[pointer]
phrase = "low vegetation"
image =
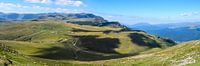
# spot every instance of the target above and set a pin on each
(55, 42)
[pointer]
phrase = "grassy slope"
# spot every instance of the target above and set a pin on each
(37, 38)
(183, 54)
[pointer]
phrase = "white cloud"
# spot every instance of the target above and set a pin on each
(11, 7)
(3, 5)
(69, 2)
(190, 14)
(39, 1)
(75, 3)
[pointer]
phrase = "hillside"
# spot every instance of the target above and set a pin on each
(48, 41)
(185, 54)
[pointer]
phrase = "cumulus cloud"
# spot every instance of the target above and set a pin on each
(11, 7)
(76, 3)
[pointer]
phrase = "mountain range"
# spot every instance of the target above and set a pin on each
(58, 16)
(180, 32)
(76, 18)
(57, 39)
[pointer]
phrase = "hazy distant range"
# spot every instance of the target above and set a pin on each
(179, 32)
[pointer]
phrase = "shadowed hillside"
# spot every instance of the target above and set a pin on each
(185, 54)
(55, 40)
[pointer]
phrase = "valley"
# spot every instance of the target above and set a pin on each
(55, 42)
(99, 33)
(48, 41)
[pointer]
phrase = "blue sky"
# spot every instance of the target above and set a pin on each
(125, 11)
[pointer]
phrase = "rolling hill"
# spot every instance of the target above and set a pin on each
(55, 42)
(184, 54)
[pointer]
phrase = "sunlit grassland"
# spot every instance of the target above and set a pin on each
(47, 43)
